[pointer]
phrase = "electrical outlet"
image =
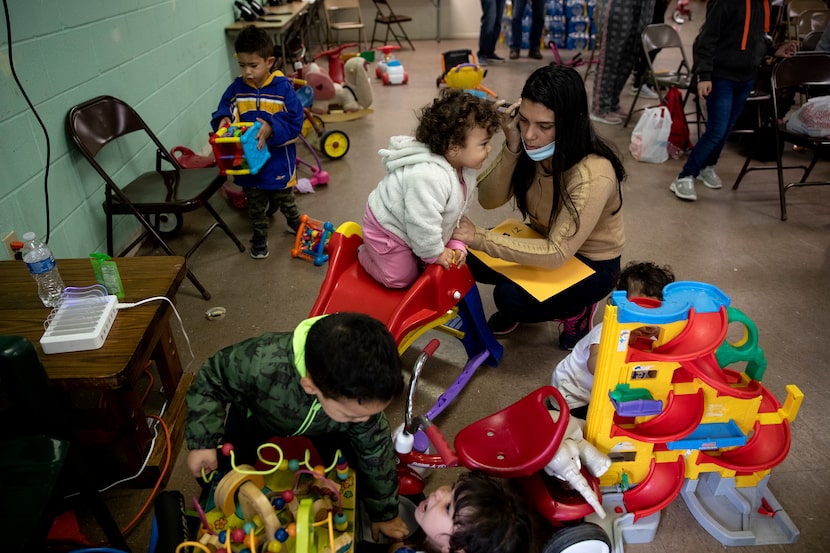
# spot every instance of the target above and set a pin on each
(7, 240)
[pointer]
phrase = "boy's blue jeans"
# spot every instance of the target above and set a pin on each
(724, 106)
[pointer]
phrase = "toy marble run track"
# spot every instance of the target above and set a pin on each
(677, 416)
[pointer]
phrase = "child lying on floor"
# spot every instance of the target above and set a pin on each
(478, 514)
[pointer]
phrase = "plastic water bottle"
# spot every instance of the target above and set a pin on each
(41, 263)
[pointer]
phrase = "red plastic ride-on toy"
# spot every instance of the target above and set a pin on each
(532, 440)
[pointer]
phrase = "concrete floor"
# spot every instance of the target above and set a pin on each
(776, 272)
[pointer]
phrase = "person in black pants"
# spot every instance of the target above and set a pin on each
(537, 23)
(491, 14)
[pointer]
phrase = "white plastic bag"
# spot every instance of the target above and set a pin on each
(812, 119)
(650, 138)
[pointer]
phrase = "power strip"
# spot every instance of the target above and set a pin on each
(80, 323)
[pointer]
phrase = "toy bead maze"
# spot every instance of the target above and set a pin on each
(675, 420)
(290, 503)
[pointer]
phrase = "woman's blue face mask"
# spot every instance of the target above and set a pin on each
(542, 153)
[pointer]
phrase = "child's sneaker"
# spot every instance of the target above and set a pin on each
(259, 247)
(501, 325)
(575, 328)
(291, 227)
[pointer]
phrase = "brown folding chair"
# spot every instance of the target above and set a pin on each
(385, 15)
(662, 46)
(808, 74)
(343, 15)
(157, 198)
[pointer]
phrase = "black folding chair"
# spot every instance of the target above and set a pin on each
(157, 198)
(809, 74)
(385, 15)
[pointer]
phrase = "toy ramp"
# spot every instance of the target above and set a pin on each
(702, 335)
(707, 369)
(657, 490)
(680, 417)
(769, 445)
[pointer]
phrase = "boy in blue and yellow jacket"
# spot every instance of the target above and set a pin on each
(268, 97)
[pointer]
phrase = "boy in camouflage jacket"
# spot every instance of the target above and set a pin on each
(332, 374)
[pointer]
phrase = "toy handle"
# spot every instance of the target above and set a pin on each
(335, 51)
(460, 66)
(441, 445)
(431, 347)
(425, 460)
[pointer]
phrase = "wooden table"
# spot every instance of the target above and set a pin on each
(278, 20)
(104, 385)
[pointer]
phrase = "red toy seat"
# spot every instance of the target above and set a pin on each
(407, 312)
(516, 441)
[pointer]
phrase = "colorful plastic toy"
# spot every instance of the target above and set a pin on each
(235, 149)
(334, 144)
(345, 85)
(680, 422)
(312, 240)
(390, 70)
(444, 300)
(460, 69)
(556, 468)
(188, 159)
(289, 503)
(468, 76)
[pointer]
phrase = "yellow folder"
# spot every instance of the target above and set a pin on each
(541, 283)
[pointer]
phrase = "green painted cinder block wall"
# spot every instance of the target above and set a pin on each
(169, 59)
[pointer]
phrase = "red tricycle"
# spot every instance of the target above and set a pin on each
(533, 440)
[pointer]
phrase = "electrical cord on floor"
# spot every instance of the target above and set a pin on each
(143, 510)
(175, 312)
(131, 525)
(143, 463)
(154, 427)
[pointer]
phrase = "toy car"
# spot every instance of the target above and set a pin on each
(390, 70)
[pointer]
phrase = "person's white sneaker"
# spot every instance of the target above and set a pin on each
(645, 92)
(711, 179)
(607, 119)
(684, 188)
